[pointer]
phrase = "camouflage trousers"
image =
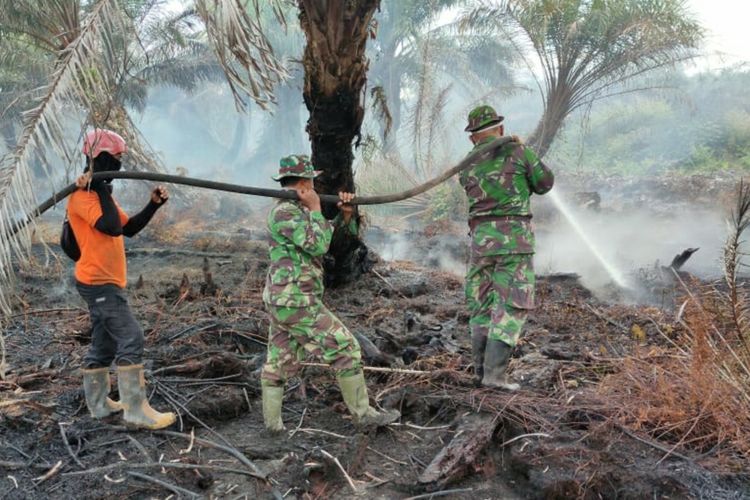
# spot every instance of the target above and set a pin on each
(314, 330)
(500, 291)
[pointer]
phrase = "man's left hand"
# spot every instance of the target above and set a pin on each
(159, 195)
(344, 205)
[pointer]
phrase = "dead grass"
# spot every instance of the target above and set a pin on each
(695, 395)
(690, 401)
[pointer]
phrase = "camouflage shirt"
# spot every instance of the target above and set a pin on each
(499, 192)
(298, 240)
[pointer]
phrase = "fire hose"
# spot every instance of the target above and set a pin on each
(475, 157)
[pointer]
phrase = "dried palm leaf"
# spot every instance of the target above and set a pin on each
(242, 49)
(738, 301)
(380, 106)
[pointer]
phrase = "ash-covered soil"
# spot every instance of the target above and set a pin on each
(200, 305)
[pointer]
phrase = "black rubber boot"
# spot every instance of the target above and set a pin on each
(478, 344)
(496, 357)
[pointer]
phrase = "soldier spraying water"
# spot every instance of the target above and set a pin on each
(500, 281)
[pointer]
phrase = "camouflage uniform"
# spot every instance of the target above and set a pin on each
(300, 322)
(500, 281)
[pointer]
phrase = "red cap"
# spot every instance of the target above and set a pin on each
(100, 140)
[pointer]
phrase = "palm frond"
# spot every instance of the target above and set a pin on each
(584, 49)
(738, 300)
(242, 49)
(380, 106)
(82, 80)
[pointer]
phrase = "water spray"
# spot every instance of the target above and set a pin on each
(617, 276)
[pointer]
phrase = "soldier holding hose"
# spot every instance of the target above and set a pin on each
(299, 321)
(500, 281)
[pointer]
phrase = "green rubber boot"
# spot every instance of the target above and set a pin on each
(496, 357)
(96, 387)
(354, 391)
(137, 411)
(272, 399)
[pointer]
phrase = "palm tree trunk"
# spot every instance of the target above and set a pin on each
(335, 76)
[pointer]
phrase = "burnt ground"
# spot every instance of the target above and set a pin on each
(200, 305)
(199, 300)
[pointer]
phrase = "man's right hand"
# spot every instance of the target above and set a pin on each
(83, 181)
(309, 199)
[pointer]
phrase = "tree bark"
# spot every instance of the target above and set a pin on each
(457, 457)
(335, 77)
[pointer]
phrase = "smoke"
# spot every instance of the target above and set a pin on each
(203, 134)
(636, 242)
(634, 233)
(439, 252)
(638, 227)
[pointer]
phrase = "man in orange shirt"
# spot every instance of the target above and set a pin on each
(99, 225)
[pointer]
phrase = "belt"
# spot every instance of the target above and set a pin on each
(475, 221)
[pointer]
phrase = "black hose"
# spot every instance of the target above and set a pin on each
(472, 159)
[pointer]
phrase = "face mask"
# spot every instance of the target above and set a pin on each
(105, 162)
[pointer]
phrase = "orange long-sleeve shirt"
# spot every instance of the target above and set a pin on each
(102, 259)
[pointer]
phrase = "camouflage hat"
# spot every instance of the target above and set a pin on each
(296, 166)
(481, 117)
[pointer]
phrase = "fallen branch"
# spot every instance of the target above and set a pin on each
(299, 426)
(607, 319)
(171, 487)
(378, 369)
(441, 493)
(47, 311)
(53, 471)
(655, 445)
(321, 431)
(256, 472)
(341, 468)
(451, 463)
(522, 436)
(161, 389)
(382, 278)
(21, 465)
(419, 427)
(391, 459)
(157, 465)
(140, 447)
(21, 380)
(67, 445)
(225, 361)
(339, 436)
